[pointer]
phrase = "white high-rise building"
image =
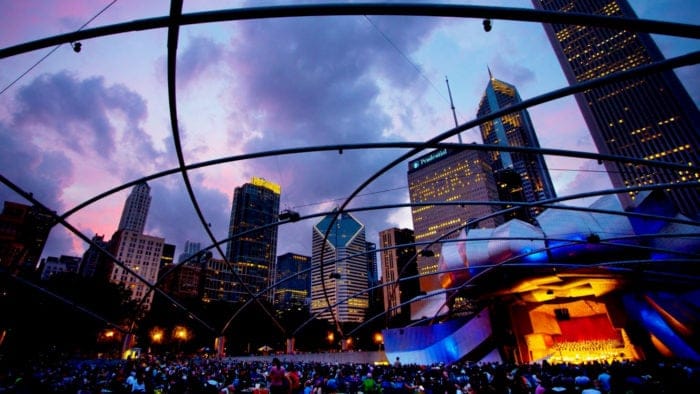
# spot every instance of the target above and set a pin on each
(141, 254)
(136, 209)
(138, 252)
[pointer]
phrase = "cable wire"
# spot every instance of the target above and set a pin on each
(33, 66)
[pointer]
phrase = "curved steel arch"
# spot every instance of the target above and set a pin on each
(176, 20)
(397, 9)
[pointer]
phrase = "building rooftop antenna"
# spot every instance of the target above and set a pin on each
(452, 106)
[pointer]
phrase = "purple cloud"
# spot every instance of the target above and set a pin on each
(43, 172)
(172, 215)
(85, 116)
(316, 81)
(200, 54)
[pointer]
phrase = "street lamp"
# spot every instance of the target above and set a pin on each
(181, 334)
(157, 335)
(378, 339)
(109, 335)
(107, 338)
(331, 338)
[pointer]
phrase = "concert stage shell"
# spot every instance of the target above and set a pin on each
(598, 283)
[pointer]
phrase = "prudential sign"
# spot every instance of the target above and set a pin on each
(425, 160)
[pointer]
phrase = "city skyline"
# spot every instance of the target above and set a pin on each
(386, 84)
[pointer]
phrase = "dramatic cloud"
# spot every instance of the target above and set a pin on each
(81, 115)
(313, 82)
(69, 139)
(260, 85)
(317, 79)
(590, 177)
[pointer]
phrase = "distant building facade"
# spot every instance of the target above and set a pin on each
(446, 175)
(532, 182)
(168, 257)
(374, 292)
(142, 255)
(650, 117)
(255, 204)
(344, 273)
(184, 281)
(53, 265)
(191, 248)
(219, 283)
(90, 266)
(398, 259)
(24, 230)
(294, 278)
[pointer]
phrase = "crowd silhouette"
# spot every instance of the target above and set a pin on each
(191, 375)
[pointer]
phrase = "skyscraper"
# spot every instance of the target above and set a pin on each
(252, 252)
(443, 176)
(345, 278)
(294, 279)
(650, 117)
(398, 259)
(136, 209)
(532, 182)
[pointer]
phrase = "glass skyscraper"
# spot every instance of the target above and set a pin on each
(650, 117)
(520, 176)
(253, 252)
(345, 277)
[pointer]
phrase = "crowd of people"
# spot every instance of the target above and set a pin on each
(192, 375)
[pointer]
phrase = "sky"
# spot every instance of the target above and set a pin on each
(78, 124)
